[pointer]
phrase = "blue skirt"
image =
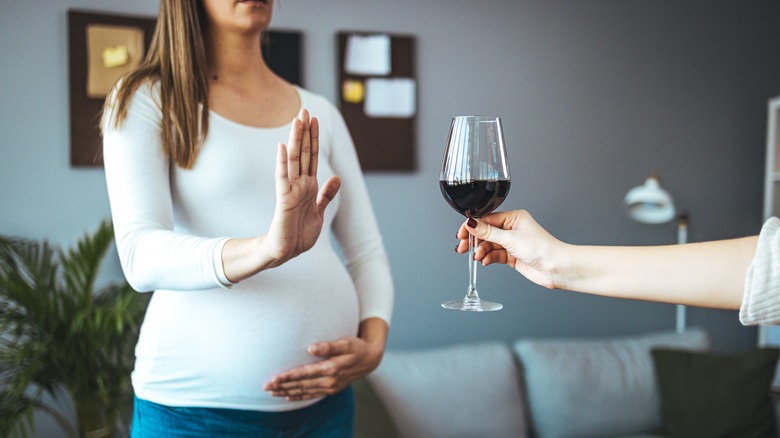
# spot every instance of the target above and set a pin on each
(331, 417)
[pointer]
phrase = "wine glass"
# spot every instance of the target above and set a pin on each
(474, 180)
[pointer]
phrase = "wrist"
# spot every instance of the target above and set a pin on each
(263, 257)
(267, 254)
(373, 331)
(243, 258)
(564, 268)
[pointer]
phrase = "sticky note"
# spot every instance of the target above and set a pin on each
(352, 91)
(115, 56)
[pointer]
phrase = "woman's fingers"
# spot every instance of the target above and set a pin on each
(303, 146)
(281, 162)
(294, 150)
(305, 151)
(494, 256)
(289, 378)
(314, 129)
(315, 380)
(328, 192)
(310, 389)
(314, 387)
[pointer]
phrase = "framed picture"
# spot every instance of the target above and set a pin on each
(101, 48)
(378, 98)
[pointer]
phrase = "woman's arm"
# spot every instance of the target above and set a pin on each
(709, 274)
(154, 256)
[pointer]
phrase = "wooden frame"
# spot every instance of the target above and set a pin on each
(382, 143)
(101, 47)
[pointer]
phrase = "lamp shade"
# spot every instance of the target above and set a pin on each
(649, 203)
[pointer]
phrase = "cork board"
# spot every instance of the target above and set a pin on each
(378, 98)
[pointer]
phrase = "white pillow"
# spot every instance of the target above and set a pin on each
(597, 387)
(467, 390)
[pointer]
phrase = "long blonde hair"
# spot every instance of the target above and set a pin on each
(177, 60)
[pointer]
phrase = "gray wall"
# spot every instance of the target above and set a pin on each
(595, 95)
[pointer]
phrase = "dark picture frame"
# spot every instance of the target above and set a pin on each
(383, 143)
(86, 105)
(282, 53)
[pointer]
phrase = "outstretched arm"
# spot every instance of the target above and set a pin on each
(709, 274)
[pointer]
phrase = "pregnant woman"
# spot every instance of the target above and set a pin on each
(213, 166)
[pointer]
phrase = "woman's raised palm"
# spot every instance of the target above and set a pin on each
(300, 207)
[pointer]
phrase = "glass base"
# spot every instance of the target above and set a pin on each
(472, 305)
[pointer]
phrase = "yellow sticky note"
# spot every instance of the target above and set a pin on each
(115, 56)
(353, 91)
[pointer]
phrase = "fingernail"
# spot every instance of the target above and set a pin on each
(471, 222)
(456, 247)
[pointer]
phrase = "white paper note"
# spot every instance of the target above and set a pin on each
(390, 97)
(368, 55)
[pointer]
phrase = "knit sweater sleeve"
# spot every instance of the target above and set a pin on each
(761, 301)
(152, 254)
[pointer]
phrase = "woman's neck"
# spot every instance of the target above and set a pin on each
(243, 88)
(235, 58)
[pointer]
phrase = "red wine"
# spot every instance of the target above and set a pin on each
(475, 198)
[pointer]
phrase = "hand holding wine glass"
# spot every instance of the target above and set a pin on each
(475, 181)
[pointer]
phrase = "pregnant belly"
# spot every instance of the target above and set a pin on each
(218, 348)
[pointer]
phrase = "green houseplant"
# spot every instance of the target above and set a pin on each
(60, 334)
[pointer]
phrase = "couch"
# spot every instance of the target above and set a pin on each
(649, 385)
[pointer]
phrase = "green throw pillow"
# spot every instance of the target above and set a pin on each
(371, 417)
(710, 395)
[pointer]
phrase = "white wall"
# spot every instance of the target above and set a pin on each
(595, 95)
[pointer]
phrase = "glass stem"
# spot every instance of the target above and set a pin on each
(472, 292)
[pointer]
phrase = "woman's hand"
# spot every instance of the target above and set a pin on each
(300, 208)
(344, 361)
(299, 211)
(703, 274)
(515, 239)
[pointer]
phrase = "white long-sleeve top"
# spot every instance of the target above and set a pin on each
(201, 343)
(761, 301)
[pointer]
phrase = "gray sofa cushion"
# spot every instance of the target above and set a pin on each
(596, 387)
(466, 390)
